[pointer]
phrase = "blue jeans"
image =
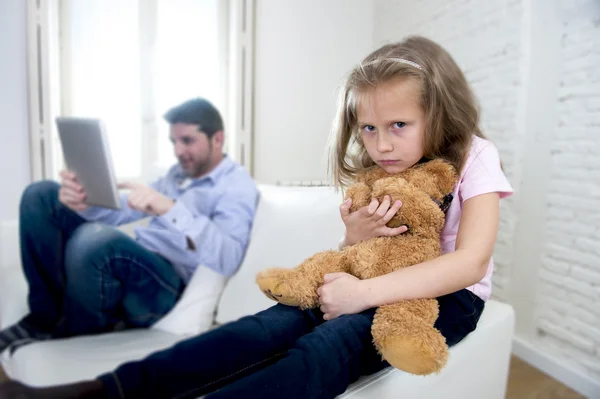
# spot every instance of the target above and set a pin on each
(85, 277)
(281, 352)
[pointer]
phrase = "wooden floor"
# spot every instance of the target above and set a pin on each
(524, 382)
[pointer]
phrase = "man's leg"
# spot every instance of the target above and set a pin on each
(45, 225)
(111, 278)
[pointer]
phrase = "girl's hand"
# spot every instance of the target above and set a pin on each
(370, 221)
(341, 294)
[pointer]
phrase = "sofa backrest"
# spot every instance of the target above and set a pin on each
(291, 224)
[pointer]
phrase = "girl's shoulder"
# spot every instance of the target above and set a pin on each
(483, 154)
(482, 151)
(483, 170)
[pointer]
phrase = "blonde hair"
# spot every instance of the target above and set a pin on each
(451, 111)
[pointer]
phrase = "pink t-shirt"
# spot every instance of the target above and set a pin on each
(481, 174)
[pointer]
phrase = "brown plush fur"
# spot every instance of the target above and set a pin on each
(402, 332)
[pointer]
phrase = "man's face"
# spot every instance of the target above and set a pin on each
(193, 148)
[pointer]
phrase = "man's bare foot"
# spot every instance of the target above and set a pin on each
(88, 389)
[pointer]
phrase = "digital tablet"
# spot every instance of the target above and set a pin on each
(87, 153)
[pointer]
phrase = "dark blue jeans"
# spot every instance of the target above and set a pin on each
(281, 352)
(84, 277)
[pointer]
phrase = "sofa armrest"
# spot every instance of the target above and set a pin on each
(195, 311)
(13, 296)
(10, 255)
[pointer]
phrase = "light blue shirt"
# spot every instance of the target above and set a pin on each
(215, 212)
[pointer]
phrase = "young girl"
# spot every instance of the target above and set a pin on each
(405, 102)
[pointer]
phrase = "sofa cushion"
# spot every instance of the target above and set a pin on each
(81, 358)
(291, 224)
(477, 366)
(194, 312)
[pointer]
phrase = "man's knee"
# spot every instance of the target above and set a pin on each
(88, 243)
(38, 192)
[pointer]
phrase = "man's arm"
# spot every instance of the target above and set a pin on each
(117, 217)
(113, 217)
(219, 241)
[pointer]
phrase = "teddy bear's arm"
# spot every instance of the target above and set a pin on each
(298, 286)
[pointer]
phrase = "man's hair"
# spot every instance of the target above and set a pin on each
(197, 111)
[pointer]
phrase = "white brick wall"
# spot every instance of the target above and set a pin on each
(485, 40)
(491, 42)
(568, 299)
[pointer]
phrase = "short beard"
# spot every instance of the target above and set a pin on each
(200, 169)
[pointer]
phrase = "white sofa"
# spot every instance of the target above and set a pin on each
(291, 224)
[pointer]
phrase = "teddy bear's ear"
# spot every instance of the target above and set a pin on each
(444, 173)
(436, 177)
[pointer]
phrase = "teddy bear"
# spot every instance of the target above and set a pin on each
(403, 332)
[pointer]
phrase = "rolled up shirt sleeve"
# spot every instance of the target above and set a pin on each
(113, 217)
(117, 217)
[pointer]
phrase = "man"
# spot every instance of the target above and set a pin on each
(86, 277)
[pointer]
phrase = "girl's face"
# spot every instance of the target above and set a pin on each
(392, 124)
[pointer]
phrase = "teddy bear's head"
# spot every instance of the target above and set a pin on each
(423, 189)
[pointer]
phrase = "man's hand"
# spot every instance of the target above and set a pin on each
(71, 194)
(145, 199)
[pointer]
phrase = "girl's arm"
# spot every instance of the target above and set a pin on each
(466, 266)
